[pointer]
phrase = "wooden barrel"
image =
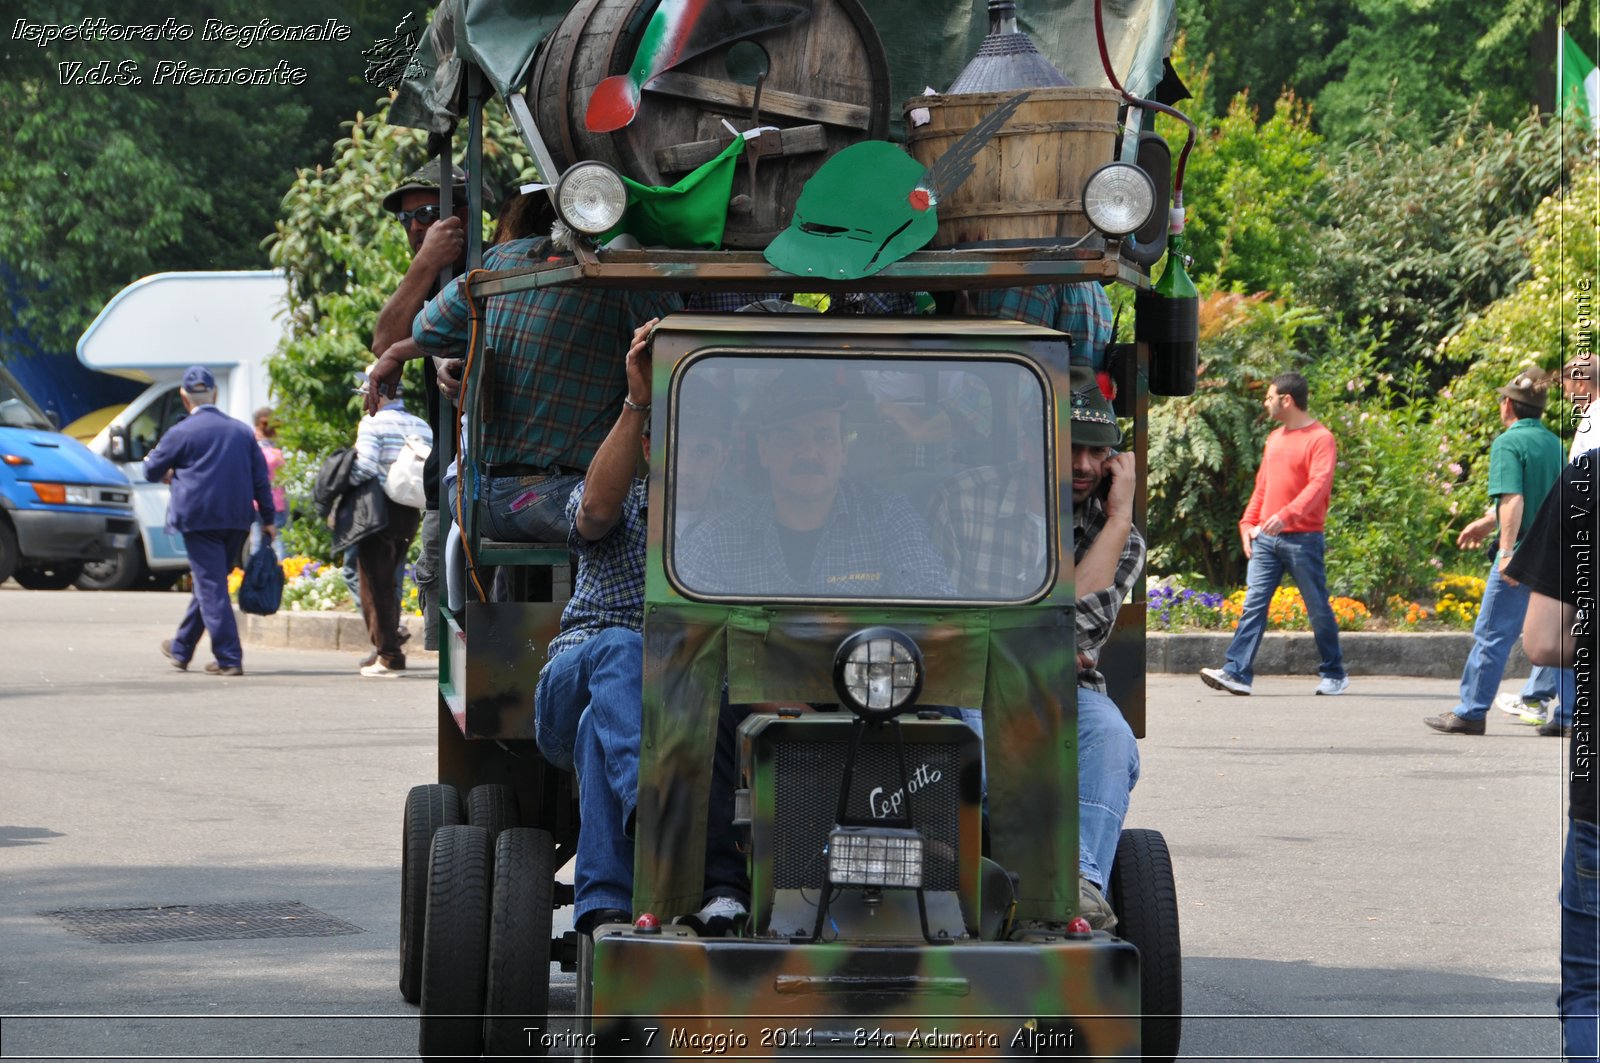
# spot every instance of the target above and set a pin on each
(1027, 187)
(826, 87)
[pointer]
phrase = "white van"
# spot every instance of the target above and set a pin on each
(152, 331)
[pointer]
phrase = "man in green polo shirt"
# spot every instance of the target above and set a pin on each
(1524, 462)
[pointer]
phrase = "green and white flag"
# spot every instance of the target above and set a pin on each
(1577, 81)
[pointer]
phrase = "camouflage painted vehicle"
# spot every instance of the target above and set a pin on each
(902, 901)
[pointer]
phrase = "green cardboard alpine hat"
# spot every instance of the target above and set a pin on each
(1093, 422)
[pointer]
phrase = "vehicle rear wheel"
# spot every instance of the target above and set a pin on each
(54, 576)
(518, 982)
(427, 809)
(8, 551)
(494, 808)
(455, 944)
(116, 573)
(1145, 898)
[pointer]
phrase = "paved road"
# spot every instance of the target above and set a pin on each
(1352, 885)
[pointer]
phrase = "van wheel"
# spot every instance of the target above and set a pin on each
(493, 807)
(116, 573)
(455, 944)
(427, 809)
(518, 982)
(57, 576)
(8, 551)
(1145, 898)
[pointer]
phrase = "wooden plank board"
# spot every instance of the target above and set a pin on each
(742, 97)
(800, 140)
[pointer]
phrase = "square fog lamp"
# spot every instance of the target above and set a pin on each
(875, 856)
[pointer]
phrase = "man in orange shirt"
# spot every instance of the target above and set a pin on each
(1282, 532)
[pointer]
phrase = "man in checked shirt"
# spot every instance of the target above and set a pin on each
(989, 526)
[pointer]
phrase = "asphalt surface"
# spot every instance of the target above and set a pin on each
(1352, 885)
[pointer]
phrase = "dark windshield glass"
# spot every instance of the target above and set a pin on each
(885, 479)
(16, 409)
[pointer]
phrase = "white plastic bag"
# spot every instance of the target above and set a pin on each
(403, 483)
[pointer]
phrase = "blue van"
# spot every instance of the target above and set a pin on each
(60, 503)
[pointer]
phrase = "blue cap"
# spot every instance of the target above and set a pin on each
(198, 378)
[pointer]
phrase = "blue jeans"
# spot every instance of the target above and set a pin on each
(1300, 555)
(1498, 627)
(1580, 940)
(528, 509)
(1108, 769)
(211, 555)
(587, 718)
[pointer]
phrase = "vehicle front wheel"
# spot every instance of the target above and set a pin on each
(55, 576)
(1145, 898)
(116, 573)
(455, 944)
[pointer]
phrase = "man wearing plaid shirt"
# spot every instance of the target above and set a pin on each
(588, 704)
(991, 531)
(553, 384)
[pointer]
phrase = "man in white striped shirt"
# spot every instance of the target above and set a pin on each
(381, 555)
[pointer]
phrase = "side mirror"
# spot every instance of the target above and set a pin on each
(121, 448)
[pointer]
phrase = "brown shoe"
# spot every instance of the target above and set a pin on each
(1451, 724)
(217, 668)
(166, 650)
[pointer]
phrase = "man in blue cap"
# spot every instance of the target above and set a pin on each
(219, 483)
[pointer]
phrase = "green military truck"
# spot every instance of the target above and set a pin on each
(914, 886)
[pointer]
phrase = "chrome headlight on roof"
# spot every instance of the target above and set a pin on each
(590, 197)
(1118, 198)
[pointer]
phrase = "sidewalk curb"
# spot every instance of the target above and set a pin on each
(321, 630)
(1427, 655)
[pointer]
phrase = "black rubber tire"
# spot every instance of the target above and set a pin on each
(455, 945)
(427, 809)
(116, 573)
(494, 808)
(518, 981)
(1145, 898)
(51, 576)
(8, 550)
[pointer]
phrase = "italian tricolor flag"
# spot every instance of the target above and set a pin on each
(1577, 81)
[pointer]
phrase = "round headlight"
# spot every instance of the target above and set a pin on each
(1119, 198)
(591, 198)
(878, 672)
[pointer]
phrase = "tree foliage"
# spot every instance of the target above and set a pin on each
(107, 183)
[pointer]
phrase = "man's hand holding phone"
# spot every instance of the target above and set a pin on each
(1120, 484)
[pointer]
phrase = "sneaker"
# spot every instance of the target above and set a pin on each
(379, 670)
(166, 650)
(1333, 687)
(1093, 906)
(719, 918)
(1553, 729)
(1451, 724)
(217, 668)
(1528, 711)
(369, 659)
(1218, 679)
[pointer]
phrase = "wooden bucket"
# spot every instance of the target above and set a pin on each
(1027, 187)
(826, 87)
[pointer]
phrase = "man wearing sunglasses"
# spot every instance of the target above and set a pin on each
(437, 244)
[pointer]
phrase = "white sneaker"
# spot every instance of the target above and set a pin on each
(379, 670)
(1217, 679)
(1527, 711)
(719, 918)
(1331, 686)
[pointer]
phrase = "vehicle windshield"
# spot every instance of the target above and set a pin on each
(17, 409)
(887, 478)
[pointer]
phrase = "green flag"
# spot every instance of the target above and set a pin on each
(1579, 82)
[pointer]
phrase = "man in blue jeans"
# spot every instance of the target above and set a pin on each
(1282, 532)
(588, 704)
(1524, 463)
(1556, 565)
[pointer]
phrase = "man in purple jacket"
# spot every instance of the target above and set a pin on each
(219, 483)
